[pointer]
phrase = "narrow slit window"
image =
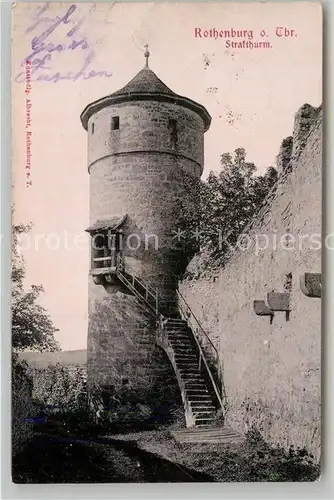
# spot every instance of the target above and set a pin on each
(93, 127)
(115, 123)
(172, 125)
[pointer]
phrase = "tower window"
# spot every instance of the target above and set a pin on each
(93, 127)
(172, 126)
(115, 123)
(101, 252)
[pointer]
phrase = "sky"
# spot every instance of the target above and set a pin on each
(82, 52)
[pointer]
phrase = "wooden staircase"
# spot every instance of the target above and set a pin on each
(177, 340)
(198, 382)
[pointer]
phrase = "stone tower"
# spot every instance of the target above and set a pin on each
(145, 158)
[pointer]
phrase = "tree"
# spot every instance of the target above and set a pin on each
(32, 327)
(230, 199)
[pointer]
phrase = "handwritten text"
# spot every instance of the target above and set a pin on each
(45, 52)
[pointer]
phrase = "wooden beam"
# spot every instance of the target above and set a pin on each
(278, 301)
(102, 270)
(310, 284)
(261, 309)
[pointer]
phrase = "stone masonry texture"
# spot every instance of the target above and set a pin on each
(272, 369)
(143, 171)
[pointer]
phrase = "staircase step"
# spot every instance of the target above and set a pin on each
(184, 349)
(205, 421)
(203, 417)
(205, 433)
(197, 391)
(199, 398)
(188, 379)
(203, 426)
(177, 333)
(194, 377)
(185, 356)
(185, 368)
(176, 326)
(189, 370)
(192, 402)
(176, 320)
(199, 410)
(181, 339)
(208, 402)
(179, 329)
(203, 413)
(187, 365)
(194, 399)
(186, 359)
(200, 404)
(195, 388)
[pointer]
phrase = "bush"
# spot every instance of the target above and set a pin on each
(23, 409)
(60, 388)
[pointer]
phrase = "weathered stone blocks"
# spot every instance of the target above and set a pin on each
(272, 368)
(149, 169)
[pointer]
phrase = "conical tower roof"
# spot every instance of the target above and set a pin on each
(146, 81)
(145, 86)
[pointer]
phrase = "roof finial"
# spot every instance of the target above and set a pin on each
(147, 55)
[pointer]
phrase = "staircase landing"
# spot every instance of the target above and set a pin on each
(209, 435)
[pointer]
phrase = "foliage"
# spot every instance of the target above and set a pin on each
(60, 388)
(218, 209)
(231, 198)
(32, 327)
(23, 409)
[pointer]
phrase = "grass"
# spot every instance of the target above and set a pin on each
(67, 450)
(253, 460)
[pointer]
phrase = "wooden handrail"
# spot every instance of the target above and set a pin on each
(122, 267)
(198, 323)
(209, 371)
(128, 283)
(125, 268)
(188, 308)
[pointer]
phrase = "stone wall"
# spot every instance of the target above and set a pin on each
(123, 355)
(271, 368)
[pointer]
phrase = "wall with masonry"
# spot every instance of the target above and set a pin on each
(144, 126)
(271, 369)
